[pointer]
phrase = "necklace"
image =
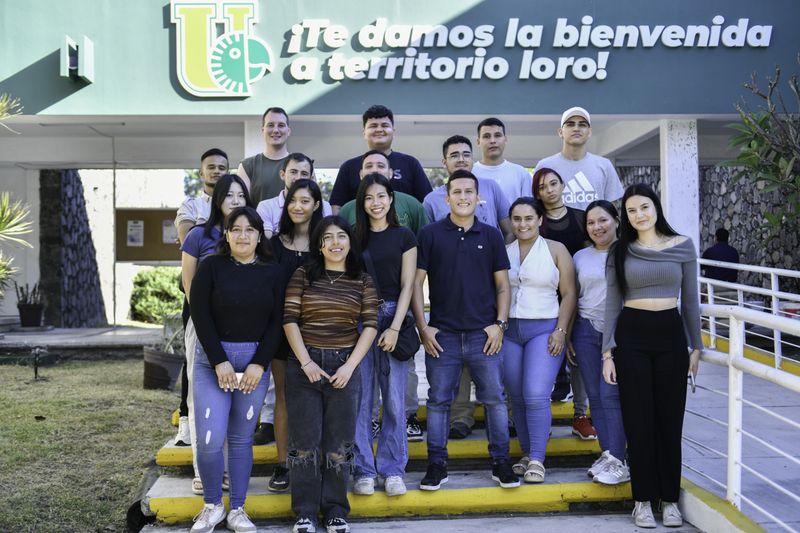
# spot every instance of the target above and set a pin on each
(660, 241)
(551, 213)
(334, 279)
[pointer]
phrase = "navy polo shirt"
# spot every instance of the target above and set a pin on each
(461, 266)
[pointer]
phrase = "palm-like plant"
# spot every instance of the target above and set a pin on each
(14, 223)
(9, 107)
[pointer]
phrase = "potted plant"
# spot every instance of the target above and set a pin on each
(30, 303)
(163, 362)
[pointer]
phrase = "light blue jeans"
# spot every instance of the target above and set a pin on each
(219, 415)
(530, 372)
(391, 376)
(603, 398)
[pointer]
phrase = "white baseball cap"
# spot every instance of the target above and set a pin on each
(575, 112)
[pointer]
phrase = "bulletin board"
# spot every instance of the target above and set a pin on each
(146, 235)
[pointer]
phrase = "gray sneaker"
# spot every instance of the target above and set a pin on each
(614, 473)
(239, 522)
(643, 515)
(671, 515)
(206, 520)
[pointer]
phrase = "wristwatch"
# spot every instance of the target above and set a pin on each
(502, 323)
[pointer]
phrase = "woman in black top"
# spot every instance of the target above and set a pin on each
(236, 310)
(389, 252)
(302, 211)
(563, 224)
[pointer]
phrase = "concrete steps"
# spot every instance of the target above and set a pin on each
(561, 444)
(468, 492)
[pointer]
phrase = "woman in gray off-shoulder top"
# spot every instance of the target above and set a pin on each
(646, 347)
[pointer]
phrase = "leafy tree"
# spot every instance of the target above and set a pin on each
(768, 140)
(192, 183)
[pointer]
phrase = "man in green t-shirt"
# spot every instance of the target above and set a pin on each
(262, 171)
(410, 212)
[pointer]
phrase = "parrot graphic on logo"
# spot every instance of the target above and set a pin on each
(237, 60)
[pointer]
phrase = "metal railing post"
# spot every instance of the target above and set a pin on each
(735, 391)
(712, 321)
(776, 334)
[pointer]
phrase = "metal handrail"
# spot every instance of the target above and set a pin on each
(737, 366)
(773, 292)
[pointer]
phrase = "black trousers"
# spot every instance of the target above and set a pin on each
(652, 361)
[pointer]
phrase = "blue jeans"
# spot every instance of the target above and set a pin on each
(603, 398)
(219, 415)
(530, 372)
(392, 376)
(322, 423)
(444, 373)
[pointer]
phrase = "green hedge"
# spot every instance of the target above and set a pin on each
(156, 294)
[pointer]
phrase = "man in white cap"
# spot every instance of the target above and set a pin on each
(587, 177)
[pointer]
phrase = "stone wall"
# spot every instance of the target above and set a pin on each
(739, 209)
(67, 262)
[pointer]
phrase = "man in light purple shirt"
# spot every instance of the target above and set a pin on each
(296, 166)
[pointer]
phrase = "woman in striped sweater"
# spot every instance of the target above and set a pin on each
(325, 301)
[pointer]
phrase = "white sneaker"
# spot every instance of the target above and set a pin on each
(197, 486)
(364, 486)
(206, 520)
(614, 473)
(239, 522)
(643, 515)
(184, 436)
(395, 486)
(671, 515)
(599, 464)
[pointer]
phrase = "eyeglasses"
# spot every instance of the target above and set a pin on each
(455, 156)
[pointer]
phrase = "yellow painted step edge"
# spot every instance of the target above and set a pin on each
(525, 499)
(560, 410)
(463, 449)
(733, 515)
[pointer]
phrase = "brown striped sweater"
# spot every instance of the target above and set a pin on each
(328, 313)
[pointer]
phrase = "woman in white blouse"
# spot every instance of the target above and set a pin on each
(534, 345)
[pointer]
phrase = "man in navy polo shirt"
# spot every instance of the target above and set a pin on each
(407, 174)
(467, 266)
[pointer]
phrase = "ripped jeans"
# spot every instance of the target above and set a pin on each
(322, 426)
(219, 415)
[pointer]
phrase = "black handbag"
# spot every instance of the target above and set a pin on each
(408, 342)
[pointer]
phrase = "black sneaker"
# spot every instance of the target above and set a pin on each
(279, 482)
(435, 477)
(459, 431)
(337, 525)
(503, 473)
(376, 428)
(413, 429)
(265, 433)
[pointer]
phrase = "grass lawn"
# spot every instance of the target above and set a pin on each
(74, 445)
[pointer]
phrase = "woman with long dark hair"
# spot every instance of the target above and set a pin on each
(325, 301)
(645, 349)
(201, 241)
(389, 252)
(236, 308)
(301, 213)
(534, 344)
(565, 225)
(602, 224)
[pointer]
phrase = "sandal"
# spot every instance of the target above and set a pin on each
(535, 472)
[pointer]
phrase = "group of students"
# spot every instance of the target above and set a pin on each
(327, 302)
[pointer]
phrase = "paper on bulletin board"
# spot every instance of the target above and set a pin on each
(169, 234)
(135, 233)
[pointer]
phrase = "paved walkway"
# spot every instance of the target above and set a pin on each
(755, 455)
